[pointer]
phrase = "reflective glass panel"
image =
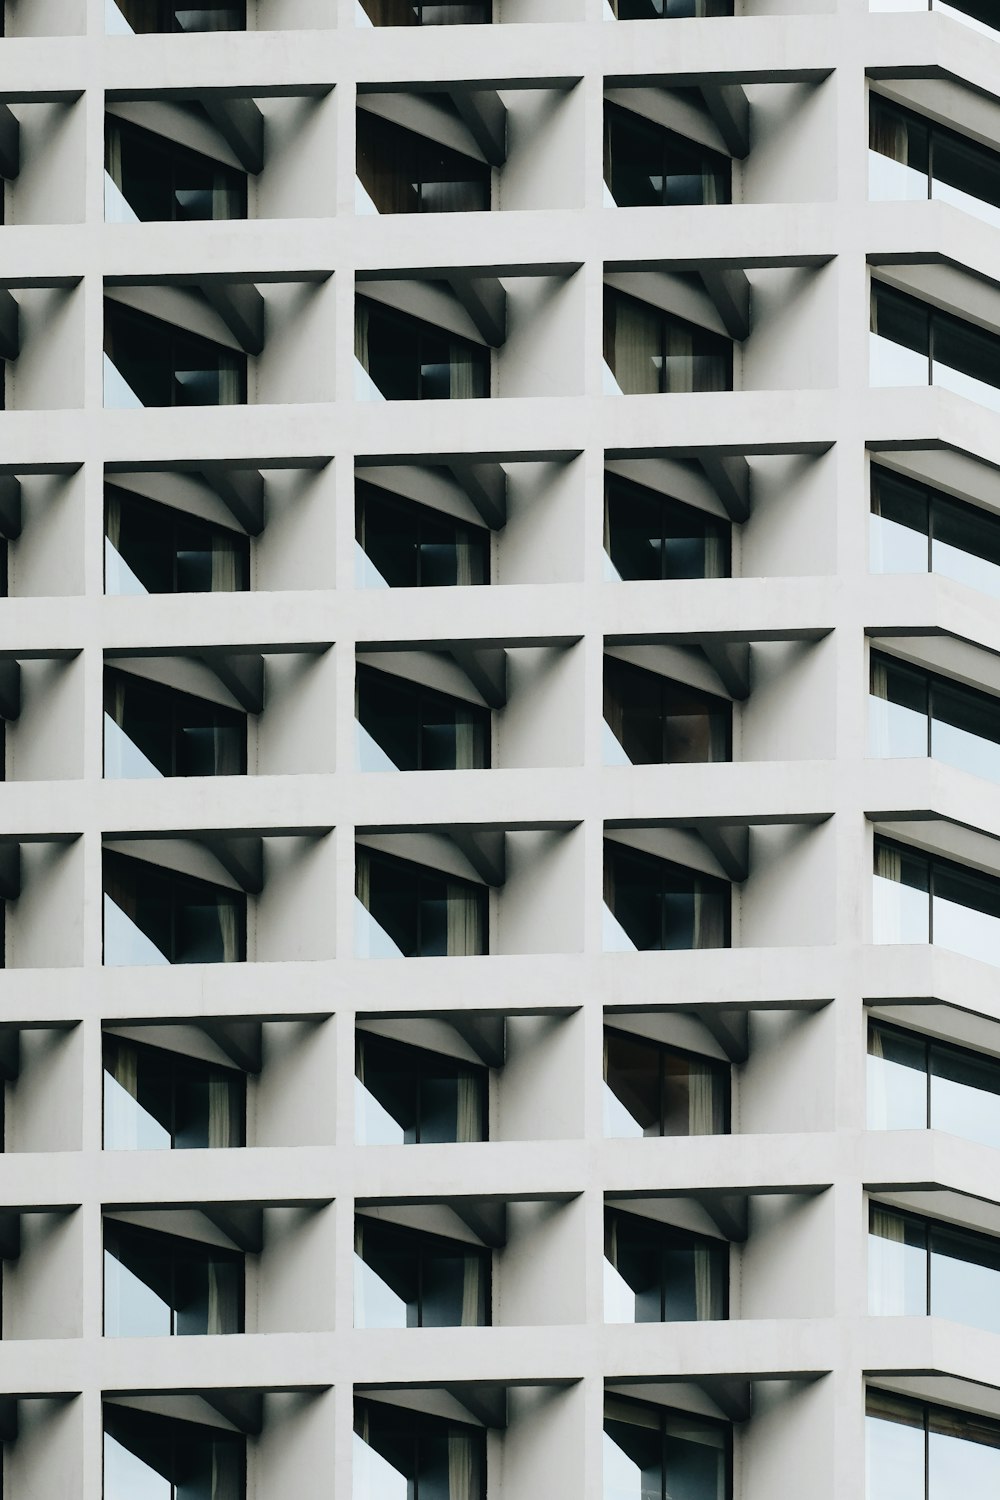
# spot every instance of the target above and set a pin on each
(894, 1449)
(897, 1080)
(897, 1265)
(407, 1095)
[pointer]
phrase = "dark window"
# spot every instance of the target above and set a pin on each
(161, 180)
(430, 1097)
(443, 13)
(646, 165)
(426, 1450)
(166, 551)
(199, 1287)
(680, 1456)
(179, 15)
(4, 564)
(959, 909)
(413, 361)
(657, 721)
(661, 905)
(648, 535)
(919, 713)
(917, 529)
(658, 10)
(423, 912)
(978, 10)
(444, 1283)
(188, 1104)
(201, 1462)
(180, 735)
(405, 173)
(188, 921)
(944, 339)
(650, 351)
(675, 1276)
(413, 546)
(662, 1091)
(167, 366)
(420, 729)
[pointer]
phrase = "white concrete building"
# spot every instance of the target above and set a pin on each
(500, 546)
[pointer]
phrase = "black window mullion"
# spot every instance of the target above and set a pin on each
(930, 900)
(927, 1084)
(927, 1427)
(931, 513)
(930, 714)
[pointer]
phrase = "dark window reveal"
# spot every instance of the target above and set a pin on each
(444, 1283)
(413, 546)
(646, 165)
(655, 1090)
(680, 1456)
(650, 351)
(180, 735)
(649, 535)
(439, 1459)
(405, 173)
(161, 180)
(917, 529)
(409, 360)
(943, 339)
(166, 366)
(189, 921)
(665, 10)
(199, 1287)
(954, 166)
(429, 1097)
(657, 721)
(424, 913)
(420, 729)
(674, 1276)
(661, 905)
(186, 1104)
(197, 1459)
(167, 551)
(441, 13)
(180, 15)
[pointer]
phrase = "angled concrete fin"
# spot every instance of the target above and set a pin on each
(10, 143)
(242, 673)
(485, 115)
(486, 487)
(486, 852)
(10, 1052)
(730, 109)
(10, 325)
(488, 1221)
(486, 669)
(731, 1394)
(484, 1034)
(10, 1234)
(244, 1409)
(729, 1213)
(729, 289)
(240, 1040)
(242, 1223)
(242, 490)
(8, 1418)
(10, 688)
(241, 125)
(241, 308)
(10, 870)
(730, 1028)
(731, 847)
(11, 511)
(730, 660)
(485, 300)
(242, 857)
(729, 477)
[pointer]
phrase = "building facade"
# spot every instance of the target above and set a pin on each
(499, 556)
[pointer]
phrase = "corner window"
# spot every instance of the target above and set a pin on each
(920, 898)
(915, 1083)
(917, 1449)
(916, 529)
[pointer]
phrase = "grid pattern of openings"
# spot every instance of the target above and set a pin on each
(499, 901)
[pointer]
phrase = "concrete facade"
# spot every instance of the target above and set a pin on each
(789, 821)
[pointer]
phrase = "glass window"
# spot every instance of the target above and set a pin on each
(914, 1449)
(653, 1453)
(417, 912)
(143, 16)
(897, 1264)
(155, 916)
(915, 1083)
(916, 529)
(649, 535)
(408, 727)
(658, 10)
(441, 13)
(654, 1090)
(405, 173)
(917, 158)
(405, 545)
(901, 895)
(409, 1279)
(152, 363)
(156, 1099)
(646, 165)
(407, 1095)
(963, 913)
(152, 549)
(914, 712)
(150, 178)
(408, 360)
(899, 723)
(898, 1095)
(915, 344)
(401, 1454)
(651, 903)
(658, 721)
(159, 1285)
(654, 1273)
(648, 350)
(151, 1457)
(150, 730)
